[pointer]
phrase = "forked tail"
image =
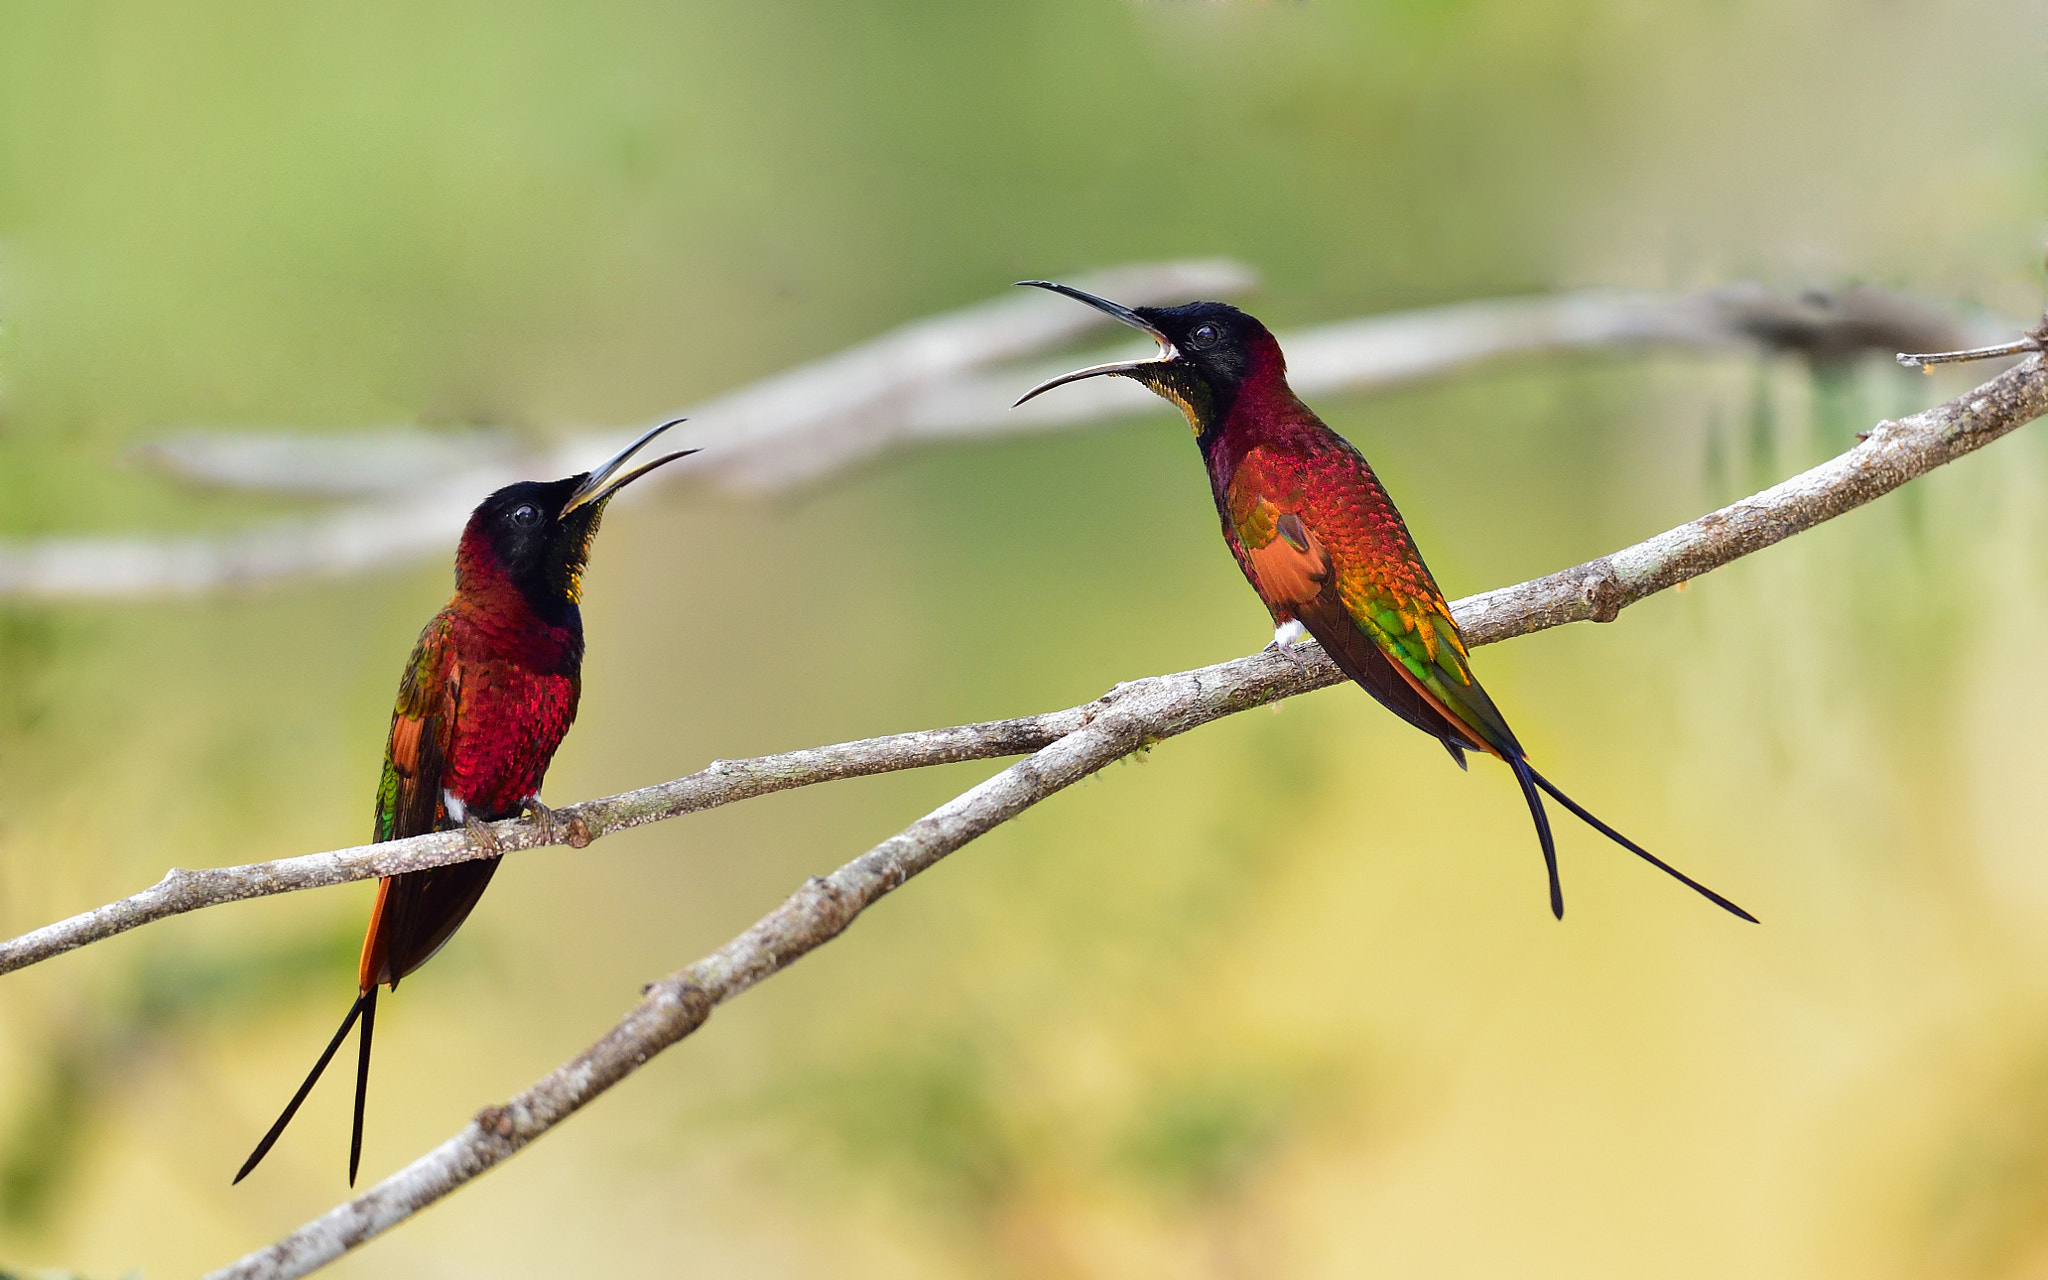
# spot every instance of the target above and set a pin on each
(1530, 780)
(1527, 777)
(365, 1008)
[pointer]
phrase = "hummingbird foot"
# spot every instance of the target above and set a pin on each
(1284, 637)
(543, 818)
(480, 831)
(1287, 651)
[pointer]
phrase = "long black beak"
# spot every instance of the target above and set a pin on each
(599, 484)
(1167, 351)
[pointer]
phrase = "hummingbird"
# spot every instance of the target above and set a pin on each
(1318, 538)
(489, 692)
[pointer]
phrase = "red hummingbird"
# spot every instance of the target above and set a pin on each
(1320, 541)
(489, 692)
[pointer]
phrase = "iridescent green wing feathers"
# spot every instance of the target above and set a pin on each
(1321, 540)
(422, 724)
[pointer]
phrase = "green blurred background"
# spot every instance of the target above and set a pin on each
(1281, 999)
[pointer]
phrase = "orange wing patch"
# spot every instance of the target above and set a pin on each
(405, 744)
(1293, 566)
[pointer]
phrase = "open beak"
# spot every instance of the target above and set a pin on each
(1166, 348)
(601, 484)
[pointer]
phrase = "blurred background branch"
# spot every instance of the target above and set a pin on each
(935, 379)
(1129, 719)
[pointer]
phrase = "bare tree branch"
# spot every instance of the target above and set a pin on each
(1889, 455)
(1067, 746)
(721, 782)
(927, 381)
(858, 386)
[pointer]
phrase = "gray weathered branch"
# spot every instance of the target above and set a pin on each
(1890, 454)
(932, 380)
(722, 782)
(1082, 740)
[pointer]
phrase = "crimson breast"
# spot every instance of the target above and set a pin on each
(513, 710)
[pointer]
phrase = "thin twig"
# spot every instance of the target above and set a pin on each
(1131, 717)
(2017, 347)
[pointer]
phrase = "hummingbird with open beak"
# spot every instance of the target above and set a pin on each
(489, 692)
(1320, 541)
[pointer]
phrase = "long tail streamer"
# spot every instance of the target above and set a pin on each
(1528, 778)
(1528, 774)
(366, 1001)
(355, 1142)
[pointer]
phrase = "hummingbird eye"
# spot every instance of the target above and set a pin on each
(1205, 335)
(526, 515)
